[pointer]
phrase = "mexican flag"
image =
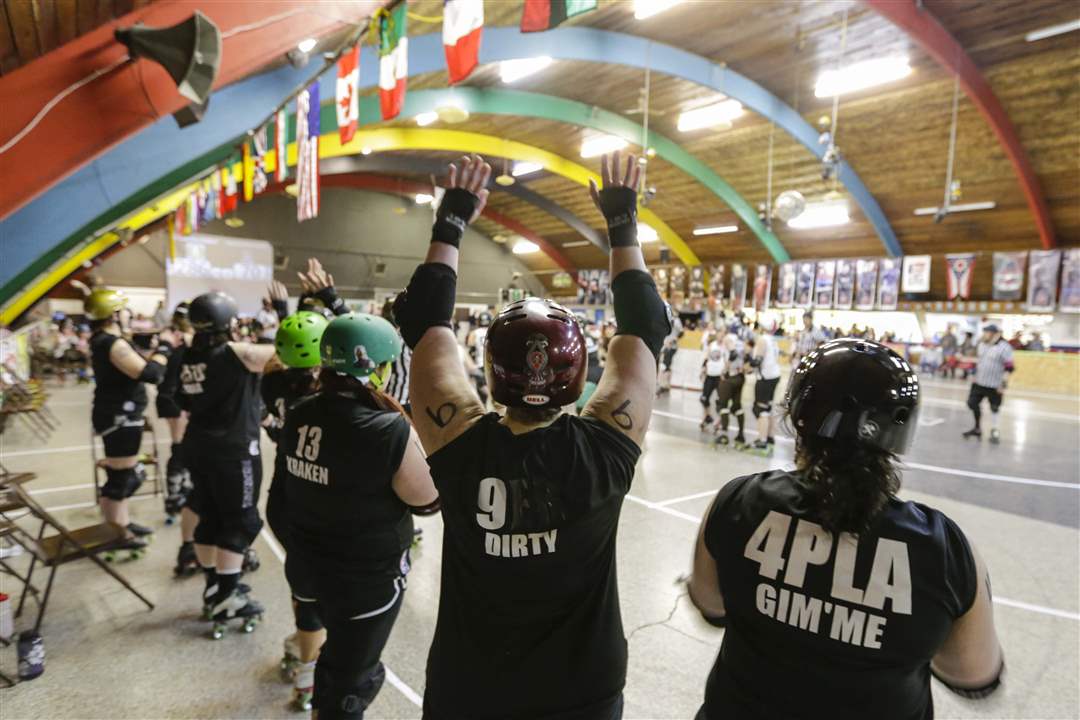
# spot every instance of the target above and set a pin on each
(347, 100)
(540, 15)
(393, 61)
(463, 21)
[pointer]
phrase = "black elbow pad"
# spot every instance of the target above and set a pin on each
(639, 310)
(974, 693)
(152, 373)
(428, 302)
(717, 621)
(429, 509)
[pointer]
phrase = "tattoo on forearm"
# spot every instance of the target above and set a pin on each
(443, 415)
(622, 418)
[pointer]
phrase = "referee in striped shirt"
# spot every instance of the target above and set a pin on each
(398, 387)
(994, 361)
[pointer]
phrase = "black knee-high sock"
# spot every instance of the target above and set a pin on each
(977, 413)
(741, 419)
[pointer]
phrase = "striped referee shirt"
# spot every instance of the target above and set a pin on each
(994, 360)
(398, 387)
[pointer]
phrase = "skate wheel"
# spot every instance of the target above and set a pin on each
(218, 632)
(250, 623)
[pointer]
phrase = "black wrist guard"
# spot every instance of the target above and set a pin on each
(153, 373)
(639, 310)
(281, 307)
(619, 205)
(329, 298)
(428, 302)
(455, 212)
(974, 693)
(164, 349)
(429, 509)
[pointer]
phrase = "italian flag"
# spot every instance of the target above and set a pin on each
(393, 61)
(463, 22)
(539, 15)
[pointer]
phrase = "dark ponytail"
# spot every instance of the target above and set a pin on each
(333, 381)
(848, 485)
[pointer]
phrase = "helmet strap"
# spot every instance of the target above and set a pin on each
(380, 377)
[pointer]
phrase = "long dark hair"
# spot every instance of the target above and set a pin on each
(848, 484)
(333, 381)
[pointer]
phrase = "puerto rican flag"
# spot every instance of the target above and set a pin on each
(347, 100)
(463, 22)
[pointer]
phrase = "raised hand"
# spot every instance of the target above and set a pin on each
(470, 174)
(617, 200)
(315, 278)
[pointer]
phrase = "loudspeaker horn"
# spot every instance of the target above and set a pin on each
(190, 52)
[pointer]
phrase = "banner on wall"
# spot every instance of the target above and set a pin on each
(762, 287)
(916, 274)
(959, 273)
(845, 284)
(1008, 275)
(716, 281)
(1070, 281)
(785, 290)
(738, 287)
(866, 273)
(203, 263)
(889, 283)
(660, 277)
(1043, 266)
(823, 284)
(804, 285)
(697, 282)
(592, 287)
(678, 286)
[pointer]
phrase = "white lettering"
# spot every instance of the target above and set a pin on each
(890, 577)
(549, 538)
(805, 612)
(811, 546)
(875, 625)
(843, 584)
(519, 544)
(491, 544)
(307, 471)
(766, 599)
(772, 533)
(847, 625)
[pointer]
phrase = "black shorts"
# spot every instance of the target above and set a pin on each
(978, 392)
(166, 407)
(712, 382)
(765, 390)
(730, 392)
(225, 497)
(121, 433)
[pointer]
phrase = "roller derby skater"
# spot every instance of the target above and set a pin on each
(120, 400)
(779, 548)
(712, 372)
(994, 364)
(531, 500)
(765, 360)
(729, 392)
(219, 386)
(350, 527)
(177, 480)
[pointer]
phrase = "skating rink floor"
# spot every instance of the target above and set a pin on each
(107, 657)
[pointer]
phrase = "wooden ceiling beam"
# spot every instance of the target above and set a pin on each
(932, 36)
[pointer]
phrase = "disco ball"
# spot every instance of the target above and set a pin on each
(789, 205)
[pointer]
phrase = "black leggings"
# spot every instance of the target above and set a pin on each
(729, 400)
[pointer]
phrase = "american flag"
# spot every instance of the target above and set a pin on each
(307, 149)
(260, 181)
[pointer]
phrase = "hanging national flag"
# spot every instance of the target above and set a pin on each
(347, 98)
(463, 22)
(247, 171)
(215, 193)
(307, 153)
(393, 61)
(540, 15)
(192, 221)
(208, 203)
(229, 195)
(259, 181)
(180, 219)
(170, 227)
(281, 151)
(961, 270)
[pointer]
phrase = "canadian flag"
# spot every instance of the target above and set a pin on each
(348, 103)
(229, 197)
(463, 22)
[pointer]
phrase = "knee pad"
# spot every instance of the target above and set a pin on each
(347, 697)
(762, 408)
(306, 613)
(239, 530)
(175, 466)
(122, 484)
(704, 400)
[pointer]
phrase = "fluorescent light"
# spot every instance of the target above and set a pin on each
(576, 243)
(647, 8)
(819, 215)
(862, 75)
(513, 70)
(307, 45)
(1051, 31)
(601, 144)
(423, 198)
(426, 118)
(715, 229)
(647, 233)
(963, 207)
(525, 168)
(720, 113)
(524, 247)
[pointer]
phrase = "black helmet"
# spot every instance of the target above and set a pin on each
(484, 319)
(855, 392)
(212, 312)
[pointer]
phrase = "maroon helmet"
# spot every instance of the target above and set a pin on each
(535, 355)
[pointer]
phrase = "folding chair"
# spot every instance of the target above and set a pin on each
(149, 457)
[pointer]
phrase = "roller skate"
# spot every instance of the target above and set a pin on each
(237, 607)
(140, 531)
(131, 548)
(176, 491)
(706, 423)
(760, 448)
(303, 687)
(290, 659)
(251, 561)
(187, 564)
(740, 442)
(973, 433)
(721, 440)
(995, 437)
(208, 600)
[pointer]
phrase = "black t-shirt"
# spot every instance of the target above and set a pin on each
(820, 626)
(279, 391)
(114, 392)
(529, 623)
(222, 397)
(170, 384)
(339, 460)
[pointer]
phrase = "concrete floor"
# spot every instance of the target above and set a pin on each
(1019, 502)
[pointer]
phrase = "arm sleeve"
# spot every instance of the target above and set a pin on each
(961, 577)
(718, 517)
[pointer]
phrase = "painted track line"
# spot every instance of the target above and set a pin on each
(391, 677)
(65, 449)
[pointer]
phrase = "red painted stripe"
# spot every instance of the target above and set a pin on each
(943, 47)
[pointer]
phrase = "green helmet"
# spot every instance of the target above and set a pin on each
(362, 346)
(101, 303)
(297, 339)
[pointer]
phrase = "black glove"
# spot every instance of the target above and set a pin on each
(455, 211)
(329, 298)
(733, 355)
(281, 307)
(619, 206)
(164, 349)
